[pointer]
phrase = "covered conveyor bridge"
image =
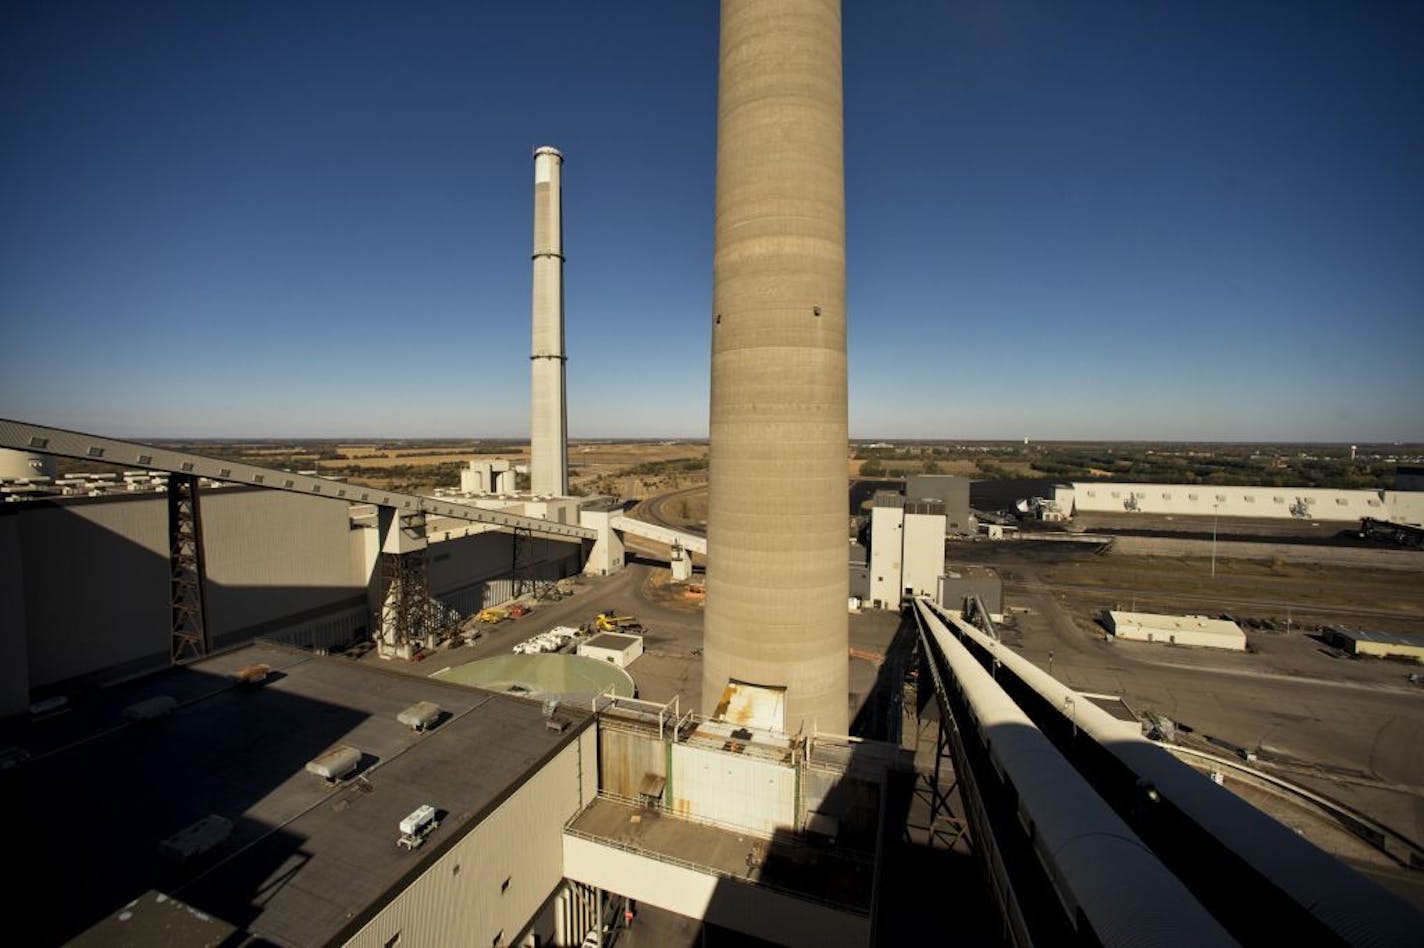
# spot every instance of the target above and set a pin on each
(1265, 883)
(20, 436)
(1062, 866)
(691, 542)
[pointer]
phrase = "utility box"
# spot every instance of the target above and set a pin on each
(206, 834)
(418, 825)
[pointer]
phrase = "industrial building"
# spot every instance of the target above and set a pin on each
(217, 810)
(961, 583)
(220, 779)
(1207, 500)
(906, 548)
(86, 588)
(303, 861)
(1199, 631)
(950, 490)
(1378, 644)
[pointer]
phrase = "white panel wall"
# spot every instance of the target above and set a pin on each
(923, 554)
(757, 795)
(778, 918)
(886, 544)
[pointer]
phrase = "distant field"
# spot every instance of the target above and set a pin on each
(635, 470)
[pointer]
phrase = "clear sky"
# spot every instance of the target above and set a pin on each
(1142, 219)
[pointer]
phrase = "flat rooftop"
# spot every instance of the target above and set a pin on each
(1171, 623)
(306, 861)
(818, 873)
(613, 640)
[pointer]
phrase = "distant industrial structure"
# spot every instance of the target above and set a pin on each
(1207, 500)
(1362, 642)
(1199, 631)
(906, 534)
(548, 417)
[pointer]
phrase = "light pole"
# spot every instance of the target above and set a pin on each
(1213, 540)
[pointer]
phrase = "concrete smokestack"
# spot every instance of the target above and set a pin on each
(548, 417)
(777, 579)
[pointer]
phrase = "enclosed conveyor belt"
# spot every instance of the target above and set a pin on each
(691, 542)
(1065, 866)
(1265, 882)
(21, 436)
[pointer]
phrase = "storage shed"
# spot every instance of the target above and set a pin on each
(1200, 631)
(615, 647)
(1379, 644)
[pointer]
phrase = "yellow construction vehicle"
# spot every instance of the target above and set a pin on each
(492, 616)
(608, 622)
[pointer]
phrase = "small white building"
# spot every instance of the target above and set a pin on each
(906, 548)
(617, 647)
(1177, 630)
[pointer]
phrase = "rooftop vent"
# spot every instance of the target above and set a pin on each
(151, 709)
(209, 832)
(336, 764)
(420, 716)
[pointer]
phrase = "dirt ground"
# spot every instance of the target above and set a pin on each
(1347, 728)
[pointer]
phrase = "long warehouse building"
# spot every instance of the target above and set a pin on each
(85, 581)
(1204, 500)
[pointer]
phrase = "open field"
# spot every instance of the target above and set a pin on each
(638, 469)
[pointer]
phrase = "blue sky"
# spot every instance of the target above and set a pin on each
(1066, 220)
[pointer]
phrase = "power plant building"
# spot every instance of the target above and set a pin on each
(85, 583)
(951, 491)
(906, 548)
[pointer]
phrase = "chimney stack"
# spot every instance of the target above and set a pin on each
(777, 554)
(548, 417)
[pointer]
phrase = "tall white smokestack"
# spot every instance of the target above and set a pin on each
(548, 419)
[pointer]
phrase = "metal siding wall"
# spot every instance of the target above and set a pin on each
(272, 553)
(754, 794)
(522, 841)
(96, 584)
(14, 647)
(624, 758)
(325, 632)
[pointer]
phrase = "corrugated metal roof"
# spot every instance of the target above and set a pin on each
(1413, 639)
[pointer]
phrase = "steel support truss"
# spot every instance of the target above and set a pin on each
(407, 613)
(189, 638)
